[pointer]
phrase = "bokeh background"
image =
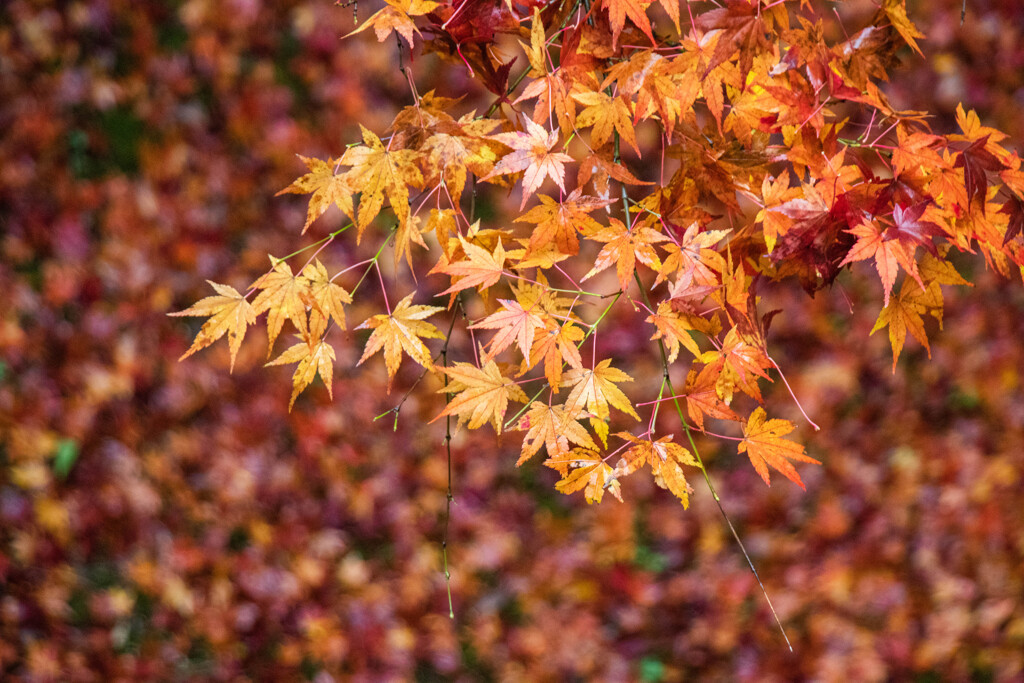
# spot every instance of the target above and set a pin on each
(168, 521)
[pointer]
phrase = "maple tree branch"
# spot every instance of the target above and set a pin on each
(707, 475)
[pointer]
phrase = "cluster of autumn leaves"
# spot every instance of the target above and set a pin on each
(771, 181)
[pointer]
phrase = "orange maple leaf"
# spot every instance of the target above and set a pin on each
(559, 221)
(327, 186)
(702, 396)
(557, 345)
(400, 331)
(636, 10)
(665, 459)
(375, 172)
(764, 445)
(230, 313)
(674, 329)
(313, 358)
(742, 364)
(888, 255)
(482, 394)
(624, 248)
(532, 154)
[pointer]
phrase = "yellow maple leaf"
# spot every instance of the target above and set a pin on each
(596, 389)
(458, 148)
(400, 331)
(284, 296)
(480, 268)
(230, 313)
(589, 471)
(896, 10)
(313, 359)
(605, 116)
(327, 187)
(903, 313)
(328, 299)
(482, 394)
(397, 16)
(377, 172)
(552, 427)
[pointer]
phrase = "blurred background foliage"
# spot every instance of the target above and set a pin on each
(166, 521)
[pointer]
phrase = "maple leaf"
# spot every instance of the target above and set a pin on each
(624, 248)
(328, 299)
(764, 444)
(557, 345)
(915, 151)
(375, 172)
(668, 84)
(596, 389)
(974, 159)
(742, 365)
(589, 472)
(888, 255)
(1014, 209)
(458, 148)
(896, 10)
(636, 10)
(313, 358)
(552, 427)
(901, 314)
(665, 459)
(397, 16)
(692, 256)
(559, 221)
(532, 154)
(229, 312)
(817, 242)
(482, 394)
(480, 269)
(406, 234)
(774, 194)
(515, 323)
(904, 312)
(327, 187)
(606, 115)
(702, 397)
(741, 30)
(284, 295)
(400, 331)
(910, 230)
(674, 329)
(671, 8)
